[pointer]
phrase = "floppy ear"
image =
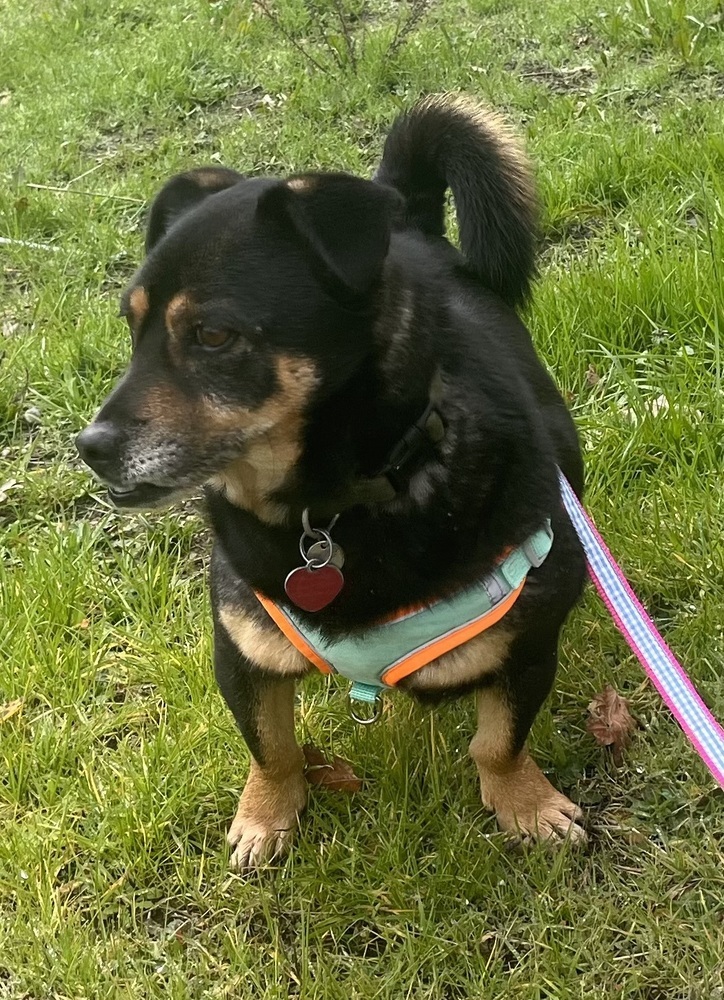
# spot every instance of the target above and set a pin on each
(343, 220)
(182, 193)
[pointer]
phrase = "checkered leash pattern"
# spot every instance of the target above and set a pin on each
(662, 667)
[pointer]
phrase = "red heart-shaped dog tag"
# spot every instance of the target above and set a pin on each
(313, 589)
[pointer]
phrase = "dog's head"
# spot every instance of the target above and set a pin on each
(256, 298)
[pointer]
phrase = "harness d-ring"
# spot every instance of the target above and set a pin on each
(365, 694)
(366, 720)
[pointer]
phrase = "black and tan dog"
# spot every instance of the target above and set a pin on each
(287, 334)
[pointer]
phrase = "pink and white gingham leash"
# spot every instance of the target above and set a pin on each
(662, 667)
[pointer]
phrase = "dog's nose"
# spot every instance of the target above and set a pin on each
(98, 445)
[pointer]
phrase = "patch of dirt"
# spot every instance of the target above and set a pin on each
(12, 279)
(708, 84)
(236, 103)
(558, 79)
(115, 138)
(164, 927)
(122, 142)
(584, 37)
(10, 988)
(683, 83)
(135, 17)
(16, 313)
(283, 927)
(208, 118)
(14, 324)
(578, 231)
(568, 240)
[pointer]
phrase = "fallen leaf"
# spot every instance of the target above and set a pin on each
(32, 416)
(11, 708)
(335, 775)
(610, 722)
(11, 484)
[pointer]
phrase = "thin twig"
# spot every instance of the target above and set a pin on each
(85, 173)
(346, 34)
(275, 20)
(319, 27)
(330, 46)
(6, 241)
(417, 10)
(88, 194)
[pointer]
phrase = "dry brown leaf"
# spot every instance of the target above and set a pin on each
(335, 775)
(610, 722)
(11, 708)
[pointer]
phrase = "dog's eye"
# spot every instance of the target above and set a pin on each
(212, 338)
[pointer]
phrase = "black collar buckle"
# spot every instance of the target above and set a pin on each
(417, 446)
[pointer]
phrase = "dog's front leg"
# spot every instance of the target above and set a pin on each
(276, 791)
(511, 783)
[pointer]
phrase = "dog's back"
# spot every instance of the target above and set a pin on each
(450, 142)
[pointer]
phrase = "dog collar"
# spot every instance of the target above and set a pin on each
(416, 446)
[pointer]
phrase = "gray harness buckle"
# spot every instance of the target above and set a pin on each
(495, 590)
(534, 558)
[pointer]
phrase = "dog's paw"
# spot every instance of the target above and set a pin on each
(528, 806)
(265, 821)
(551, 820)
(256, 845)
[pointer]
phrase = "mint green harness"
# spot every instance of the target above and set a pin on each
(389, 650)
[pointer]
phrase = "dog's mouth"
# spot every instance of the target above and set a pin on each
(140, 495)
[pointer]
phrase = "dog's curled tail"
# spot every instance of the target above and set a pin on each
(448, 140)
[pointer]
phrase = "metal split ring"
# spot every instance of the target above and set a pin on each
(318, 536)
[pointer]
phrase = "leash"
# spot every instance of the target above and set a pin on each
(662, 667)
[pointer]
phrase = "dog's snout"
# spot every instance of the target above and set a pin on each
(98, 445)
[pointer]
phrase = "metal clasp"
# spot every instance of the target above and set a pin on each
(365, 694)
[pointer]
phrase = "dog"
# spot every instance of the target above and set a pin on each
(291, 338)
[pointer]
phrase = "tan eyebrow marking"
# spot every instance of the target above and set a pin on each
(179, 309)
(138, 306)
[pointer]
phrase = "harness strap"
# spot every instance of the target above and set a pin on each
(364, 692)
(445, 643)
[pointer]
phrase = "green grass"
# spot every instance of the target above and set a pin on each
(120, 774)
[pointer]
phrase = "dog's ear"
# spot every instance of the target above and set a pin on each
(343, 220)
(182, 193)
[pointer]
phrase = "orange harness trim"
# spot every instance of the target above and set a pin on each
(422, 657)
(417, 659)
(290, 630)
